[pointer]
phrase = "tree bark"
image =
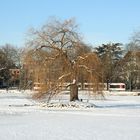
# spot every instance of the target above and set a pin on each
(74, 92)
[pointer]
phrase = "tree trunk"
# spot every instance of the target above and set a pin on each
(74, 92)
(107, 83)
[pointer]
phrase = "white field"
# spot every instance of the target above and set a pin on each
(116, 118)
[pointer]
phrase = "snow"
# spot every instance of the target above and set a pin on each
(115, 118)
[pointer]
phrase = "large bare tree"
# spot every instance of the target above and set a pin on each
(59, 56)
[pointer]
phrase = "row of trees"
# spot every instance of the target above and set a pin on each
(60, 56)
(120, 65)
(56, 54)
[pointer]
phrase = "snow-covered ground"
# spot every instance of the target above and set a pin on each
(115, 118)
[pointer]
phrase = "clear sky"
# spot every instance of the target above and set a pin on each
(100, 21)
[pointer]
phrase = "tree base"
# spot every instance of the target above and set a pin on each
(74, 92)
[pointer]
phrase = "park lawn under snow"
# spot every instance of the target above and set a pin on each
(115, 118)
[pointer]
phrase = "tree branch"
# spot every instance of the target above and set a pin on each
(63, 76)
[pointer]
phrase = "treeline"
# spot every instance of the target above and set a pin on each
(114, 62)
(121, 63)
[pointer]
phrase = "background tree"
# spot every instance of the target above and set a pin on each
(8, 60)
(134, 44)
(131, 66)
(64, 57)
(110, 54)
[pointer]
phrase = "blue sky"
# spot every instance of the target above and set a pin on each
(100, 21)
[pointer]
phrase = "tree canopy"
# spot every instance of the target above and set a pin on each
(63, 57)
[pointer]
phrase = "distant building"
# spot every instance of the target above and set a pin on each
(14, 77)
(15, 73)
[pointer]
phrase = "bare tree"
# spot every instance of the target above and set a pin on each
(59, 57)
(132, 61)
(134, 44)
(130, 69)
